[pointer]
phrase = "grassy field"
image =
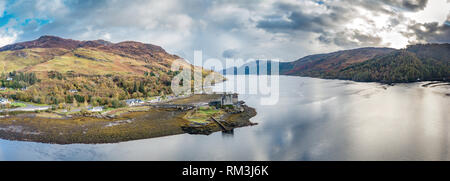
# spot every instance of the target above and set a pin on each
(202, 115)
(18, 104)
(8, 90)
(36, 104)
(11, 60)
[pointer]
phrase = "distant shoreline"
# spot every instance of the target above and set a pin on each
(325, 78)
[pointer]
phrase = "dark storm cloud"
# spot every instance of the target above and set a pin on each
(412, 5)
(350, 39)
(229, 28)
(293, 18)
(429, 32)
(385, 6)
(294, 21)
(323, 24)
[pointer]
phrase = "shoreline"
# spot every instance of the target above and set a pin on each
(149, 122)
(335, 78)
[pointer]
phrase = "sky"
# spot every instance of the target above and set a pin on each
(284, 29)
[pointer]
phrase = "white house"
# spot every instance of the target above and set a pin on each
(73, 90)
(2, 88)
(133, 102)
(96, 109)
(9, 79)
(155, 100)
(4, 101)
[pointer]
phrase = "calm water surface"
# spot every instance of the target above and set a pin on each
(314, 119)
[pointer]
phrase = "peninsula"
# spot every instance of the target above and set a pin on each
(65, 91)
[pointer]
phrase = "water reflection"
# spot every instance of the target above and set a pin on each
(314, 120)
(228, 134)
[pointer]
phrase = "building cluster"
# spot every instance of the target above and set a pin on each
(96, 109)
(228, 101)
(134, 102)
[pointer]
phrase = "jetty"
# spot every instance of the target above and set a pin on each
(224, 128)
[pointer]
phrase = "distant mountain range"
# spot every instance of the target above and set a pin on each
(55, 70)
(386, 65)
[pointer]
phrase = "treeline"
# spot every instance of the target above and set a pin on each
(107, 90)
(55, 88)
(400, 66)
(396, 67)
(17, 80)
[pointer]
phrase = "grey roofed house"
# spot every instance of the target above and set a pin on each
(132, 102)
(4, 101)
(96, 109)
(225, 100)
(73, 90)
(229, 99)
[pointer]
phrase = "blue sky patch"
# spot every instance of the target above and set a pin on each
(5, 19)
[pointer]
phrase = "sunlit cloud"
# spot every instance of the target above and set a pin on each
(285, 30)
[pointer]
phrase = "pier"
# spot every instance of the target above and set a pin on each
(224, 128)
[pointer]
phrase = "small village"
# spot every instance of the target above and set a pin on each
(12, 105)
(224, 103)
(140, 118)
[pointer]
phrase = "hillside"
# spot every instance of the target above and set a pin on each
(398, 66)
(415, 63)
(320, 64)
(97, 72)
(323, 64)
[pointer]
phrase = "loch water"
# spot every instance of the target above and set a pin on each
(313, 119)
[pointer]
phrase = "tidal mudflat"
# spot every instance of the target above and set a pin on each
(124, 124)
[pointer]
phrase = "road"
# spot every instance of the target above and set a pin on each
(27, 108)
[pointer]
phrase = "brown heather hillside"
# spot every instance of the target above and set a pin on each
(315, 65)
(102, 72)
(321, 64)
(399, 66)
(126, 56)
(415, 63)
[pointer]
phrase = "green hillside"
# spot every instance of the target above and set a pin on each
(399, 66)
(420, 62)
(53, 70)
